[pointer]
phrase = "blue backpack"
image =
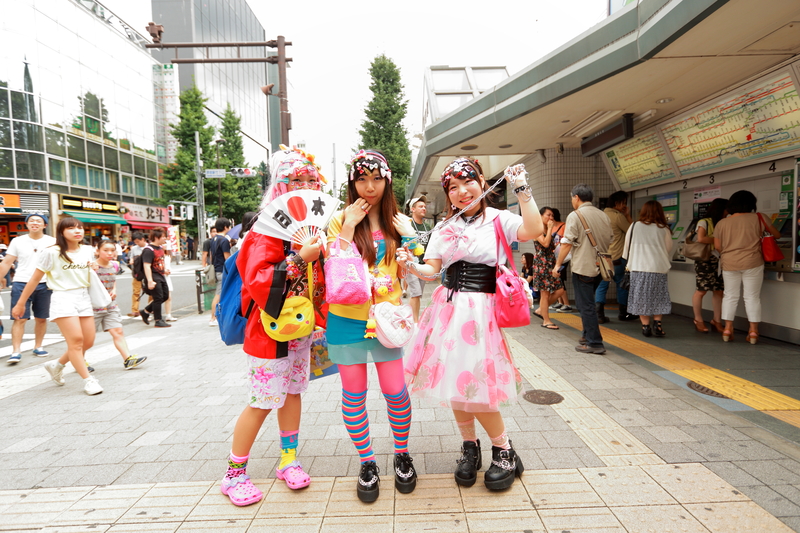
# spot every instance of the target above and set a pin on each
(229, 309)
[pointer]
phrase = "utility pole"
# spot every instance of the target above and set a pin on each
(201, 204)
(219, 182)
(334, 167)
(286, 118)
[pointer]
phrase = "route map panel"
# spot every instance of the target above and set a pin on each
(640, 161)
(752, 123)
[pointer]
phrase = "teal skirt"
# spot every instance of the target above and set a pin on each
(347, 345)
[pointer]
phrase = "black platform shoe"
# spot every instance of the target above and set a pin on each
(469, 463)
(506, 464)
(647, 330)
(368, 482)
(658, 331)
(405, 477)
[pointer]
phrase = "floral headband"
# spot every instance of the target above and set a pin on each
(365, 161)
(463, 167)
(296, 162)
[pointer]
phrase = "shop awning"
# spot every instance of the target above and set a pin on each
(96, 218)
(146, 225)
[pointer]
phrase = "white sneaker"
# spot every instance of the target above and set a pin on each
(170, 318)
(56, 371)
(91, 386)
(213, 322)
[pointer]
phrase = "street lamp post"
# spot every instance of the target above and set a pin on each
(219, 182)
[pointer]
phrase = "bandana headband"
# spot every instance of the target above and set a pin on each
(365, 161)
(296, 162)
(463, 167)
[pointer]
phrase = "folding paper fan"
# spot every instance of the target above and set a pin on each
(297, 216)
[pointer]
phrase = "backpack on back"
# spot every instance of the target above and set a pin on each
(138, 266)
(229, 315)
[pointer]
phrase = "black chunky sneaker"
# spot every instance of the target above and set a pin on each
(368, 482)
(469, 463)
(405, 477)
(506, 464)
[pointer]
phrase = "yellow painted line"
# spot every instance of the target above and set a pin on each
(743, 391)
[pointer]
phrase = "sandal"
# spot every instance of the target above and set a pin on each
(241, 490)
(537, 314)
(727, 336)
(718, 326)
(752, 337)
(701, 326)
(550, 326)
(294, 475)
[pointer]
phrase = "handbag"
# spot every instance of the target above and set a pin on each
(697, 251)
(346, 277)
(394, 324)
(603, 259)
(769, 246)
(626, 278)
(510, 301)
(209, 272)
(97, 291)
(296, 319)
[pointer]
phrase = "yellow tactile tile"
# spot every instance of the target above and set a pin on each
(790, 417)
(310, 501)
(435, 493)
(157, 527)
(344, 501)
(658, 519)
(166, 502)
(560, 489)
(438, 523)
(282, 525)
(626, 486)
(504, 522)
(591, 418)
(348, 524)
(639, 459)
(40, 507)
(478, 498)
(693, 483)
(216, 526)
(589, 520)
(613, 441)
(736, 517)
(216, 506)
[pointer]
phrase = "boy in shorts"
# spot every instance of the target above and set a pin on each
(109, 318)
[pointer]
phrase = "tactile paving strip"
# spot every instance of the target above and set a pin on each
(735, 388)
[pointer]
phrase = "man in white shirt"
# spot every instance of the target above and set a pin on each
(25, 250)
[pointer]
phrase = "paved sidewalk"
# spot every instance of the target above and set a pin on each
(625, 451)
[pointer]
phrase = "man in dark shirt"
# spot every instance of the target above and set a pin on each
(155, 283)
(220, 251)
(207, 246)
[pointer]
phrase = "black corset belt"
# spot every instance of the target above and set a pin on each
(462, 276)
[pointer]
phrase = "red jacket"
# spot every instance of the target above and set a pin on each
(262, 266)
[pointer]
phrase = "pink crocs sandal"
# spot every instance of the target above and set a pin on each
(294, 475)
(241, 490)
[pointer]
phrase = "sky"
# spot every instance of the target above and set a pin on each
(334, 42)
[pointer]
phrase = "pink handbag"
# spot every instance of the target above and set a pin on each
(346, 277)
(394, 324)
(510, 301)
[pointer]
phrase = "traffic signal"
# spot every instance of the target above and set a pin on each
(183, 212)
(171, 211)
(243, 172)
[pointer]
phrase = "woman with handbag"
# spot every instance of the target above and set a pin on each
(372, 224)
(460, 357)
(278, 371)
(549, 287)
(66, 265)
(648, 243)
(707, 273)
(738, 240)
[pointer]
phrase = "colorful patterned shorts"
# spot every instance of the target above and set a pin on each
(272, 379)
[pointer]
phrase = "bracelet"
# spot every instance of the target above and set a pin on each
(340, 238)
(295, 266)
(524, 189)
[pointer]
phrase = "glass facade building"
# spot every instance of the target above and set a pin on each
(239, 84)
(78, 104)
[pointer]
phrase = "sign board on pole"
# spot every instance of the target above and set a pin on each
(215, 173)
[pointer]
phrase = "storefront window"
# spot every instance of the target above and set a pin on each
(127, 185)
(5, 133)
(28, 137)
(6, 163)
(77, 150)
(58, 170)
(141, 187)
(30, 165)
(138, 166)
(112, 181)
(152, 169)
(54, 142)
(96, 178)
(94, 154)
(77, 174)
(112, 159)
(125, 163)
(153, 189)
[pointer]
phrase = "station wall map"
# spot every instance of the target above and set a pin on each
(755, 122)
(639, 161)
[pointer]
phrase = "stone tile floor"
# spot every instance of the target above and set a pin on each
(625, 451)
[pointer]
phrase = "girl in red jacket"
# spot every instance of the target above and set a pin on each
(278, 371)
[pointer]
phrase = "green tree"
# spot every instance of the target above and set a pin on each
(383, 127)
(264, 175)
(239, 195)
(178, 179)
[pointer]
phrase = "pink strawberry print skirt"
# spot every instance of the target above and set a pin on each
(460, 357)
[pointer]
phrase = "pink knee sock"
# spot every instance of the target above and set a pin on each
(467, 429)
(501, 441)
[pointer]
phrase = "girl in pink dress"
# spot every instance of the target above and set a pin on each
(460, 356)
